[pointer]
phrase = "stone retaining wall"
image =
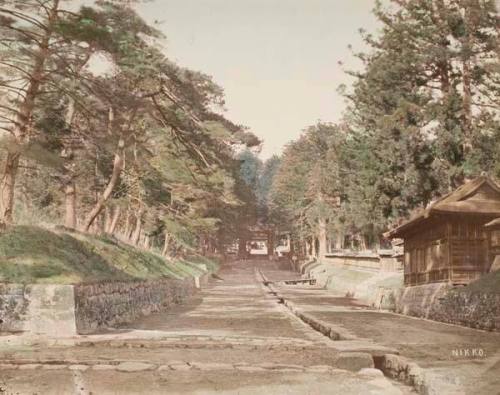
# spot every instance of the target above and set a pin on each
(111, 304)
(65, 310)
(37, 308)
(477, 310)
(366, 260)
(13, 305)
(418, 300)
(442, 302)
(384, 290)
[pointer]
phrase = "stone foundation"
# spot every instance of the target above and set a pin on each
(384, 290)
(13, 306)
(112, 304)
(418, 300)
(66, 310)
(37, 309)
(364, 260)
(444, 303)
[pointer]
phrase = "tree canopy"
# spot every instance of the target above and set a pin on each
(142, 152)
(422, 117)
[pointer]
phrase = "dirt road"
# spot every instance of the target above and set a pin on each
(233, 338)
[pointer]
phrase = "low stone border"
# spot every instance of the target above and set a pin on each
(139, 366)
(424, 382)
(391, 365)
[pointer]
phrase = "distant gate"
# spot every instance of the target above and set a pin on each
(251, 246)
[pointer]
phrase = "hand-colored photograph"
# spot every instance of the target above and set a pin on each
(249, 197)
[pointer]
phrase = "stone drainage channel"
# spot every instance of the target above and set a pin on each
(392, 365)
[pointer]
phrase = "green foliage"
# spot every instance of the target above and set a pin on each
(415, 111)
(422, 117)
(307, 186)
(145, 141)
(266, 178)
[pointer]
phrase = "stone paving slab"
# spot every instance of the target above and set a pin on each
(235, 338)
(438, 347)
(249, 381)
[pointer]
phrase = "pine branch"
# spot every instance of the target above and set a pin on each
(24, 17)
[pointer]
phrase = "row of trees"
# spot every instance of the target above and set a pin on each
(422, 117)
(140, 151)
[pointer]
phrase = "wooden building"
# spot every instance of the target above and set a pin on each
(493, 232)
(448, 241)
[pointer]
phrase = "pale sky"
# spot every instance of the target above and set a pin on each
(277, 60)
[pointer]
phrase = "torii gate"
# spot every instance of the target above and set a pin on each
(258, 233)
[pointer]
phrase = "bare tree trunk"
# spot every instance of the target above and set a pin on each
(26, 198)
(364, 244)
(242, 248)
(138, 228)
(321, 238)
(115, 177)
(8, 186)
(126, 231)
(166, 244)
(114, 220)
(466, 83)
(338, 241)
(308, 248)
(70, 205)
(107, 218)
(69, 173)
(100, 224)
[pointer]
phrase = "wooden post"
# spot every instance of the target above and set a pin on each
(270, 244)
(449, 227)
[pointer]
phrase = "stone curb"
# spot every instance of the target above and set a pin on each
(391, 365)
(328, 330)
(408, 372)
(141, 366)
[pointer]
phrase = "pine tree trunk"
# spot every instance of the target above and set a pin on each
(115, 177)
(242, 248)
(338, 241)
(138, 228)
(69, 173)
(466, 83)
(308, 248)
(23, 119)
(8, 186)
(364, 244)
(321, 238)
(114, 220)
(126, 232)
(166, 244)
(137, 233)
(70, 205)
(100, 224)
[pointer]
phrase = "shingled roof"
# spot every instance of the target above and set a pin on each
(479, 196)
(493, 224)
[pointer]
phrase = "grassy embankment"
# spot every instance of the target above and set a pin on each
(489, 283)
(30, 254)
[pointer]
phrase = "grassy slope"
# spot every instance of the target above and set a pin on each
(31, 254)
(489, 283)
